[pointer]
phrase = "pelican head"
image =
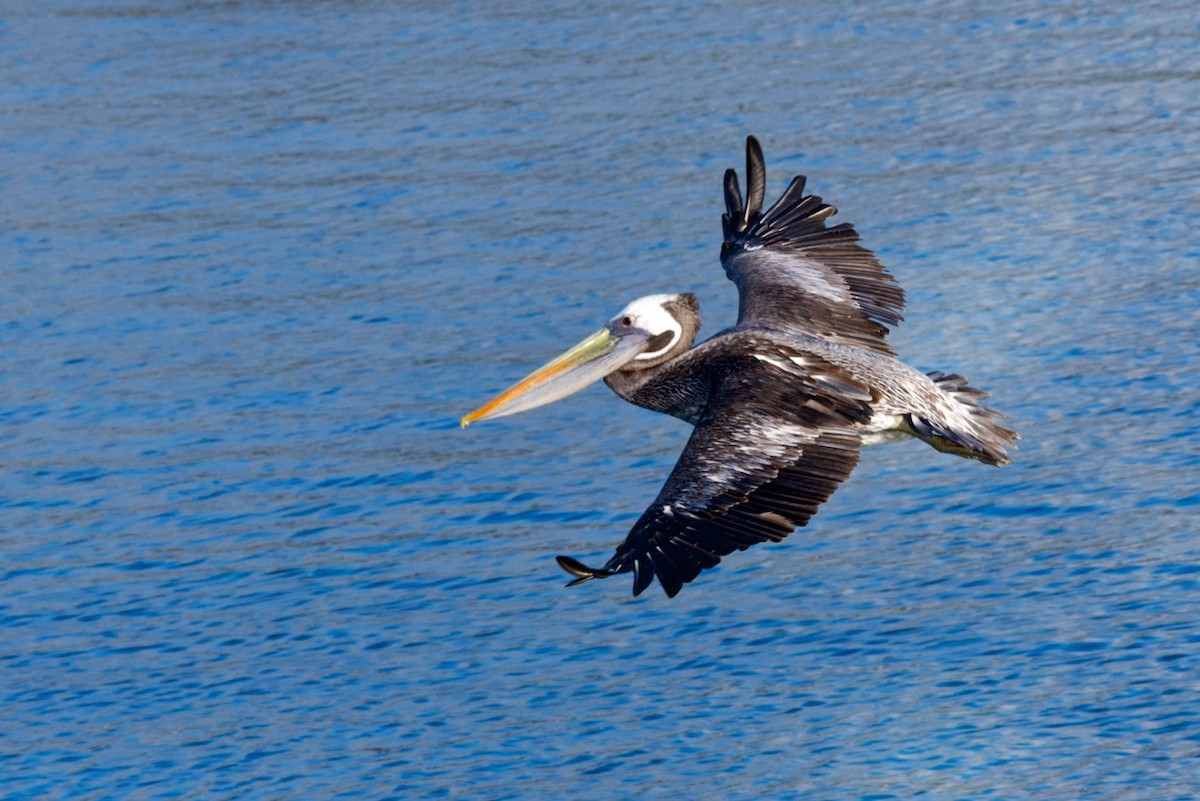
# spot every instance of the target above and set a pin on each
(647, 333)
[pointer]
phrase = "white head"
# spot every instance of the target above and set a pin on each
(655, 315)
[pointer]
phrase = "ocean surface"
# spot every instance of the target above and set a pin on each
(256, 258)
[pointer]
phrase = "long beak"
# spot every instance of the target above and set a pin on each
(590, 360)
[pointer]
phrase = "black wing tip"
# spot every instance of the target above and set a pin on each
(756, 179)
(741, 214)
(798, 222)
(756, 165)
(733, 195)
(793, 213)
(643, 575)
(580, 571)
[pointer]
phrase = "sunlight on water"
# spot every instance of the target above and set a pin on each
(261, 259)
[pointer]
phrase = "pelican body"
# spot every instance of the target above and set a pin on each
(782, 402)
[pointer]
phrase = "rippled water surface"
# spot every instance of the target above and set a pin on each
(259, 257)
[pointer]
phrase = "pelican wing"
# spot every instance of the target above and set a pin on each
(793, 273)
(764, 455)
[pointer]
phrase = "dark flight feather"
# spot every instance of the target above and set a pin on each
(794, 273)
(763, 457)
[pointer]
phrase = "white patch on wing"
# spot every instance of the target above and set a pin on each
(773, 362)
(770, 431)
(961, 417)
(814, 277)
(802, 366)
(726, 474)
(884, 428)
(882, 421)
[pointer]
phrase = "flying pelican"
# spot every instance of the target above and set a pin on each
(781, 402)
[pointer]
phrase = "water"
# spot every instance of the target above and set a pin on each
(260, 257)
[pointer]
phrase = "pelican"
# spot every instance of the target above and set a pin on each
(781, 403)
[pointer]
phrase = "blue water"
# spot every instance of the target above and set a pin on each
(259, 257)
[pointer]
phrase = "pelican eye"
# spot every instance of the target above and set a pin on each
(627, 321)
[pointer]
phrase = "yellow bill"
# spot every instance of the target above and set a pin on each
(590, 360)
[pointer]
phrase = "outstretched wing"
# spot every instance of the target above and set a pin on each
(764, 455)
(793, 273)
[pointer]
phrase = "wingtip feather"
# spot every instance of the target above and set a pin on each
(733, 195)
(581, 571)
(756, 180)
